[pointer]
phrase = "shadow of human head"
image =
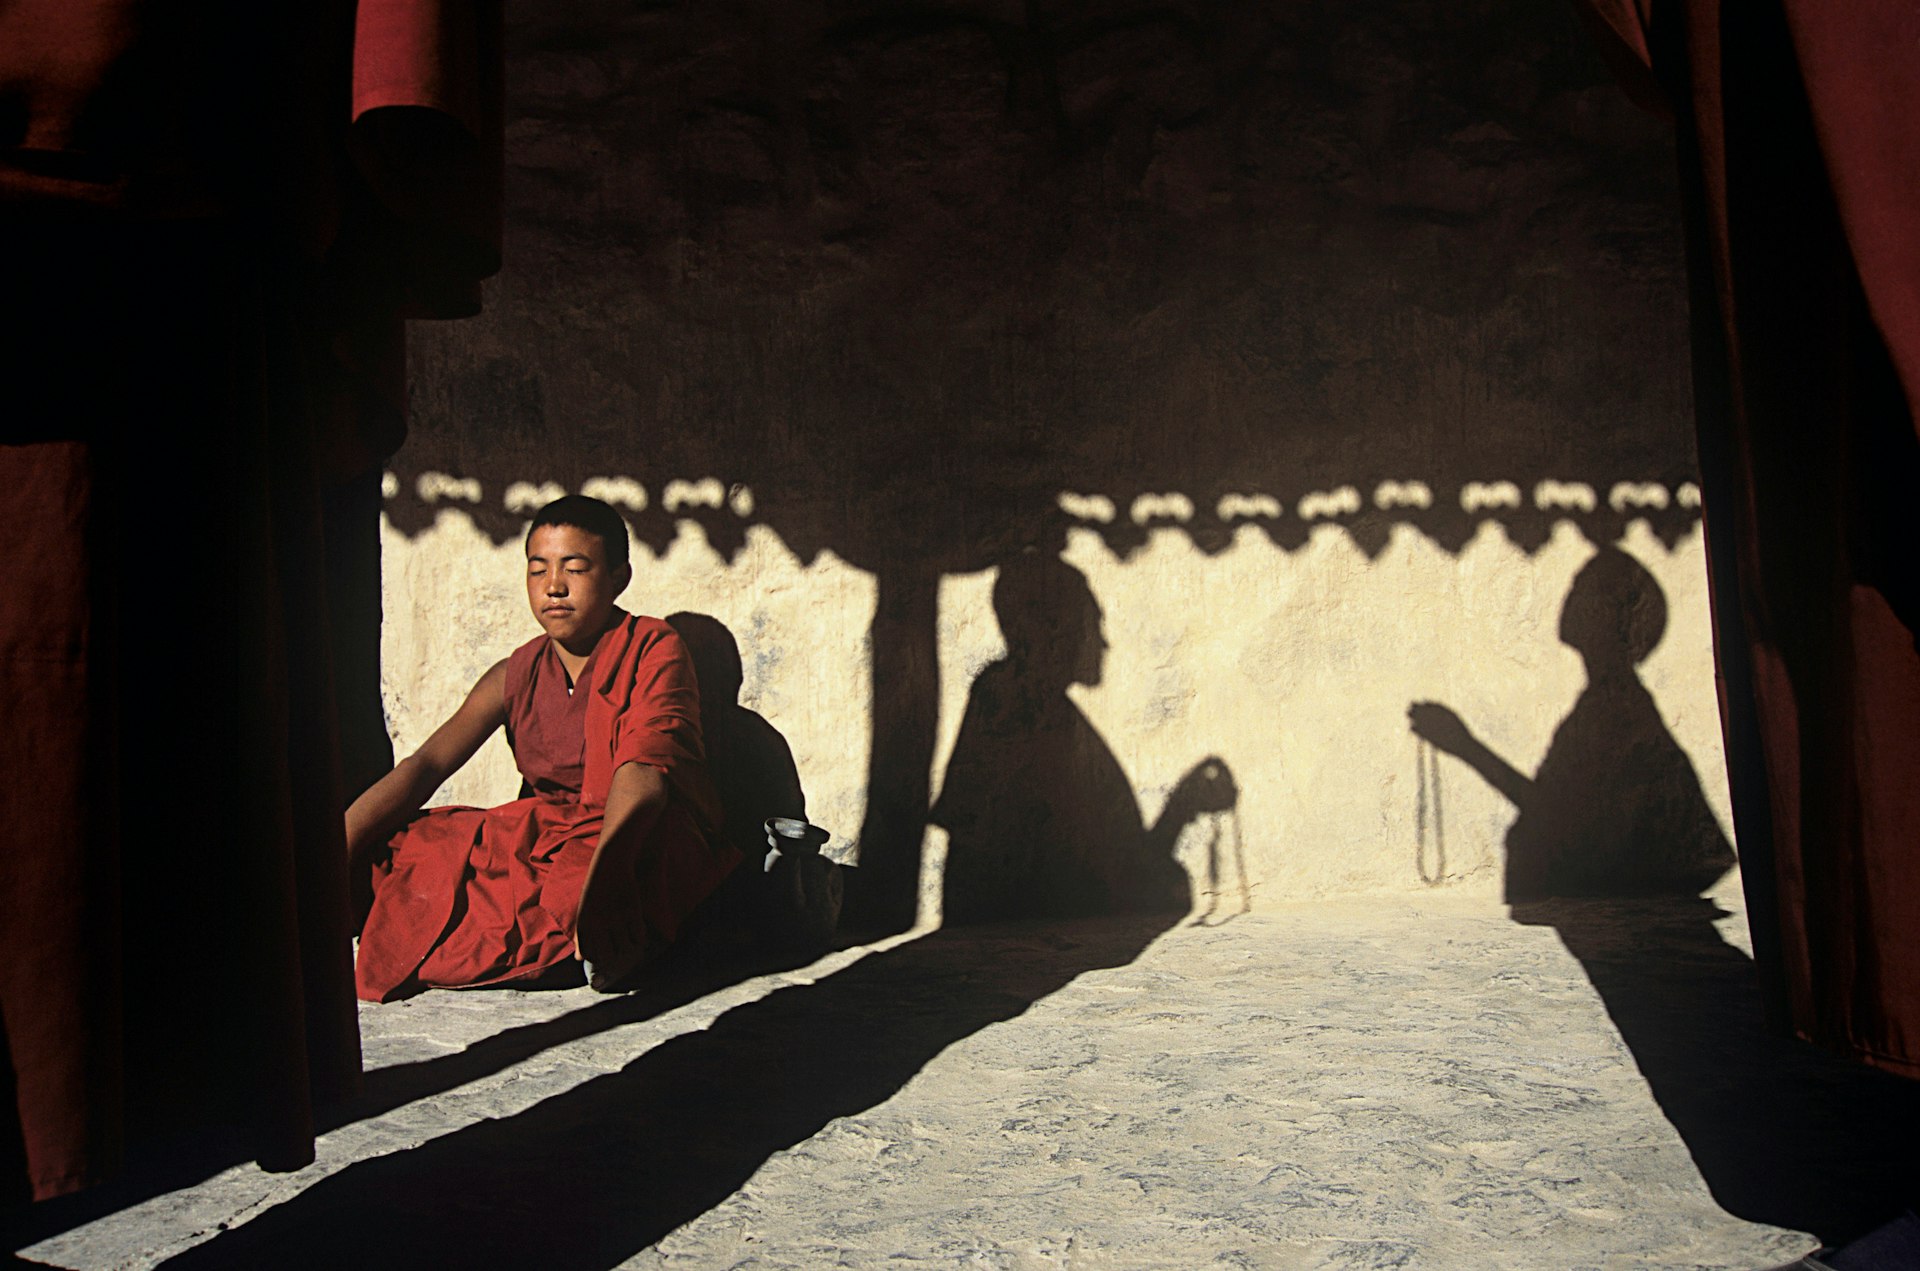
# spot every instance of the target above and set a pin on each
(715, 653)
(1615, 613)
(1051, 622)
(1042, 819)
(1615, 807)
(752, 764)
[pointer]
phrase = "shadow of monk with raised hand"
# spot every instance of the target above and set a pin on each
(1616, 808)
(1041, 817)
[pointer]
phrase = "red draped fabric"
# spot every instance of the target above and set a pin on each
(201, 336)
(467, 897)
(1799, 129)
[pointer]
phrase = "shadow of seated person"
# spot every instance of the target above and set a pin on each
(1041, 818)
(788, 907)
(1616, 808)
(751, 762)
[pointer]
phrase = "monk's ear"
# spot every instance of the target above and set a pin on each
(621, 577)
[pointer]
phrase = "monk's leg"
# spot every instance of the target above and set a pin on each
(609, 928)
(639, 894)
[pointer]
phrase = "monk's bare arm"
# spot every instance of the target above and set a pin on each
(634, 799)
(387, 803)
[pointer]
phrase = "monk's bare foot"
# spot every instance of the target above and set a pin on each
(609, 934)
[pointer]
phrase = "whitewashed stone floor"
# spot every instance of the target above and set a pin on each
(1396, 1083)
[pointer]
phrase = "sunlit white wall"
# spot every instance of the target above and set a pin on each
(1296, 668)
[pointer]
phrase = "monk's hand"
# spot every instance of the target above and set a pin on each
(1437, 724)
(1208, 787)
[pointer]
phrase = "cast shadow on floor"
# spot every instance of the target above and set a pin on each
(586, 1179)
(680, 980)
(1782, 1133)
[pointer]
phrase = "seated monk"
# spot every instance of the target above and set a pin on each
(618, 841)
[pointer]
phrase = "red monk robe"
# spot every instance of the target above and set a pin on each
(215, 215)
(1799, 131)
(470, 896)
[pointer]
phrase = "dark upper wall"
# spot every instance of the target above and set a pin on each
(910, 270)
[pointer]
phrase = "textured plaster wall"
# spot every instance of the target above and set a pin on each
(1325, 340)
(1302, 685)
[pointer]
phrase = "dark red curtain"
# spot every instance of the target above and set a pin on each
(216, 215)
(1799, 131)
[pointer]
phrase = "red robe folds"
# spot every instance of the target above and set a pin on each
(215, 214)
(471, 896)
(1799, 130)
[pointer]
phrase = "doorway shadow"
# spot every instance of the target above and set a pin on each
(1041, 818)
(586, 1179)
(1612, 847)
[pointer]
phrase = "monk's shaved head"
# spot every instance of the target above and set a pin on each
(584, 512)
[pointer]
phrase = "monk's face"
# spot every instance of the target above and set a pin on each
(569, 585)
